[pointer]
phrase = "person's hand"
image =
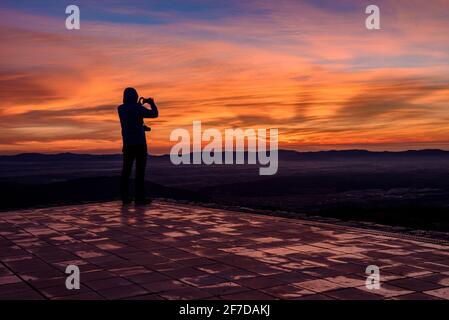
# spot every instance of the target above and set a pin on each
(149, 100)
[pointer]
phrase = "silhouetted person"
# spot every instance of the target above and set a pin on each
(131, 114)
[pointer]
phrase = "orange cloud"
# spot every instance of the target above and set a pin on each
(317, 75)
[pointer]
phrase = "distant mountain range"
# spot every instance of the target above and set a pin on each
(409, 188)
(286, 155)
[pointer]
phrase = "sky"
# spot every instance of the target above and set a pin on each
(309, 68)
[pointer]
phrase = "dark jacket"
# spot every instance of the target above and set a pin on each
(131, 120)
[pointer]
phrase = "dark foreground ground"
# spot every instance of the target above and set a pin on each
(409, 189)
(172, 251)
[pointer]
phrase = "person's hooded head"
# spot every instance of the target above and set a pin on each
(130, 96)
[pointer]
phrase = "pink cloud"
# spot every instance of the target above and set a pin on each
(294, 66)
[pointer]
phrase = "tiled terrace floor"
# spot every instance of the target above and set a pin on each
(173, 251)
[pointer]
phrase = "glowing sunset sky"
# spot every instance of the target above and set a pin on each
(309, 68)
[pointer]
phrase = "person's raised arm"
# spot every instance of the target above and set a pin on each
(150, 113)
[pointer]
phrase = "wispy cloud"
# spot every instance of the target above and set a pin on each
(309, 68)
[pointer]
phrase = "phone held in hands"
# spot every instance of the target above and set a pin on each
(142, 100)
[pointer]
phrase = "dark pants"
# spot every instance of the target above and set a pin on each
(139, 154)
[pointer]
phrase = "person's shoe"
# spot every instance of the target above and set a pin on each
(126, 201)
(141, 202)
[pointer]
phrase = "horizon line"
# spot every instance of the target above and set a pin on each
(245, 151)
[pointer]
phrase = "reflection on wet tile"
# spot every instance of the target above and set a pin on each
(169, 250)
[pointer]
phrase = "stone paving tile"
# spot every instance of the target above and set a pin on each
(224, 288)
(82, 296)
(322, 272)
(414, 284)
(146, 297)
(249, 295)
(292, 277)
(14, 290)
(347, 281)
(188, 293)
(406, 270)
(9, 279)
(287, 291)
(439, 278)
(387, 290)
(108, 283)
(94, 275)
(204, 279)
(319, 285)
(22, 295)
(440, 266)
(123, 292)
(352, 294)
(260, 282)
(237, 274)
(61, 291)
(317, 296)
(175, 251)
(416, 296)
(163, 286)
(147, 277)
(442, 293)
